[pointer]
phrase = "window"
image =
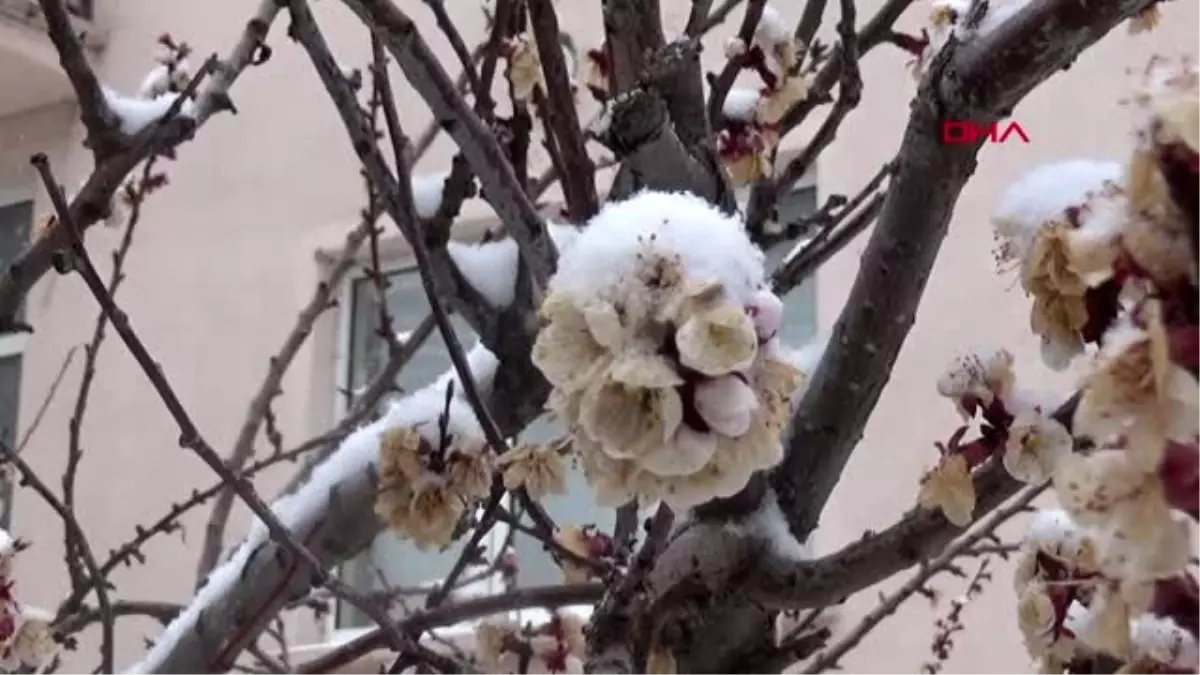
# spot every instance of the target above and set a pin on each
(392, 562)
(15, 220)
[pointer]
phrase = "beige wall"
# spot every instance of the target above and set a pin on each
(227, 255)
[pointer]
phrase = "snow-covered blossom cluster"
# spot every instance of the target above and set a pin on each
(158, 92)
(750, 130)
(430, 473)
(1108, 255)
(556, 646)
(953, 19)
(27, 642)
(659, 338)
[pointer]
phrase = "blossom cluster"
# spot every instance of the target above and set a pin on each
(27, 641)
(1108, 256)
(432, 470)
(751, 125)
(555, 646)
(659, 338)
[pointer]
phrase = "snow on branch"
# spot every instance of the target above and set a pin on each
(344, 486)
(491, 267)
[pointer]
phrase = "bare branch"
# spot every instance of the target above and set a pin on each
(828, 659)
(45, 405)
(91, 353)
(465, 59)
(98, 119)
(579, 184)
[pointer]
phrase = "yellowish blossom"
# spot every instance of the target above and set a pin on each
(566, 351)
(773, 105)
(630, 418)
(1136, 393)
(1036, 616)
(982, 375)
(435, 510)
(719, 341)
(746, 167)
(948, 487)
(1105, 626)
(524, 67)
(1035, 444)
(470, 473)
(540, 469)
(574, 539)
(34, 645)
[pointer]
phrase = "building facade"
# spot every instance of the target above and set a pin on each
(226, 256)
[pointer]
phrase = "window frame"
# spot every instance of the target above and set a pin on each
(402, 261)
(15, 344)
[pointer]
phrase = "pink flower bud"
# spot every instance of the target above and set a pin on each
(726, 404)
(766, 309)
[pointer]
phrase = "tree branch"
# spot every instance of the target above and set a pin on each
(99, 121)
(579, 174)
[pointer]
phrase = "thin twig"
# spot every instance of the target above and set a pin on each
(465, 59)
(828, 658)
(578, 171)
(91, 354)
(41, 411)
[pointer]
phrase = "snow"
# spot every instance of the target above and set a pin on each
(1163, 640)
(734, 48)
(136, 114)
(1045, 193)
(357, 454)
(482, 364)
(768, 524)
(427, 193)
(158, 81)
(710, 245)
(491, 268)
(740, 104)
(771, 30)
